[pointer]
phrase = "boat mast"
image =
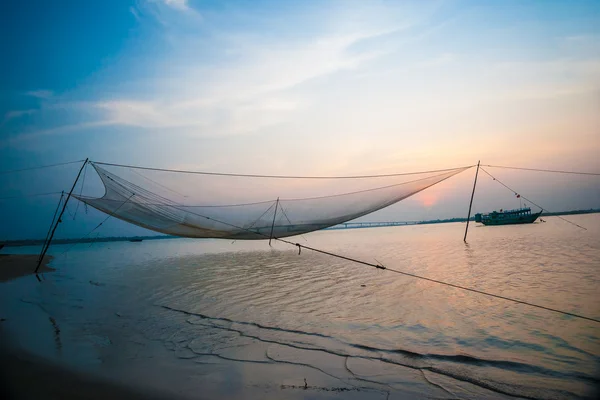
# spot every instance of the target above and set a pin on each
(471, 203)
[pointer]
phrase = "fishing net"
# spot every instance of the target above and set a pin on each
(233, 206)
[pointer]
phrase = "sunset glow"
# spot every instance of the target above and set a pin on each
(308, 88)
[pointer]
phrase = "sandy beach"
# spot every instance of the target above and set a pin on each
(25, 376)
(16, 265)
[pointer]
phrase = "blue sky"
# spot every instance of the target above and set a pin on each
(300, 87)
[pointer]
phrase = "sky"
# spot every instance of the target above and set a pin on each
(301, 87)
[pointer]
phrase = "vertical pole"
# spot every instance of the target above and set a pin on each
(58, 221)
(273, 224)
(62, 196)
(471, 203)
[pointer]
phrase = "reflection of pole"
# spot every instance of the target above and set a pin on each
(58, 221)
(273, 224)
(471, 203)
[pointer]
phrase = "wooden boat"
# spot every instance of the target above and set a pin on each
(508, 217)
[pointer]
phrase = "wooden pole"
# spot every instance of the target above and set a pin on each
(471, 203)
(273, 224)
(62, 196)
(47, 245)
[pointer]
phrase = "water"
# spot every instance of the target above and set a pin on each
(245, 320)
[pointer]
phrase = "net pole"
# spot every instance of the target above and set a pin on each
(273, 224)
(471, 202)
(62, 196)
(45, 249)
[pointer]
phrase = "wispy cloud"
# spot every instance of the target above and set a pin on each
(59, 130)
(170, 13)
(329, 75)
(252, 92)
(40, 94)
(178, 4)
(14, 114)
(135, 13)
(251, 80)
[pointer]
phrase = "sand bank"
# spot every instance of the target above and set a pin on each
(16, 265)
(25, 376)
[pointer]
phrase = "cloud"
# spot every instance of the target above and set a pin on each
(263, 75)
(223, 81)
(17, 114)
(135, 13)
(64, 129)
(241, 97)
(40, 94)
(173, 14)
(178, 4)
(200, 119)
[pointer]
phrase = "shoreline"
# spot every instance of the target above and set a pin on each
(13, 266)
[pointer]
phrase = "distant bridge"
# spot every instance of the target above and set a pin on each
(356, 225)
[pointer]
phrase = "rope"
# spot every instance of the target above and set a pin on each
(126, 183)
(69, 211)
(383, 187)
(544, 170)
(158, 184)
(200, 205)
(537, 205)
(262, 215)
(111, 214)
(273, 224)
(40, 167)
(278, 176)
(291, 223)
(379, 266)
(80, 192)
(29, 195)
(97, 226)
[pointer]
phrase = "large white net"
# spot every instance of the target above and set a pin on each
(233, 206)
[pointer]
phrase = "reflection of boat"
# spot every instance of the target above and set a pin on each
(135, 240)
(518, 216)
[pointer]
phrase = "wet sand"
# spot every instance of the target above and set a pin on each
(26, 376)
(13, 266)
(23, 376)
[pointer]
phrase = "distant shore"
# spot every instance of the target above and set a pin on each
(38, 242)
(13, 266)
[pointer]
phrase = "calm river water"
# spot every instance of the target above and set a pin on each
(242, 320)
